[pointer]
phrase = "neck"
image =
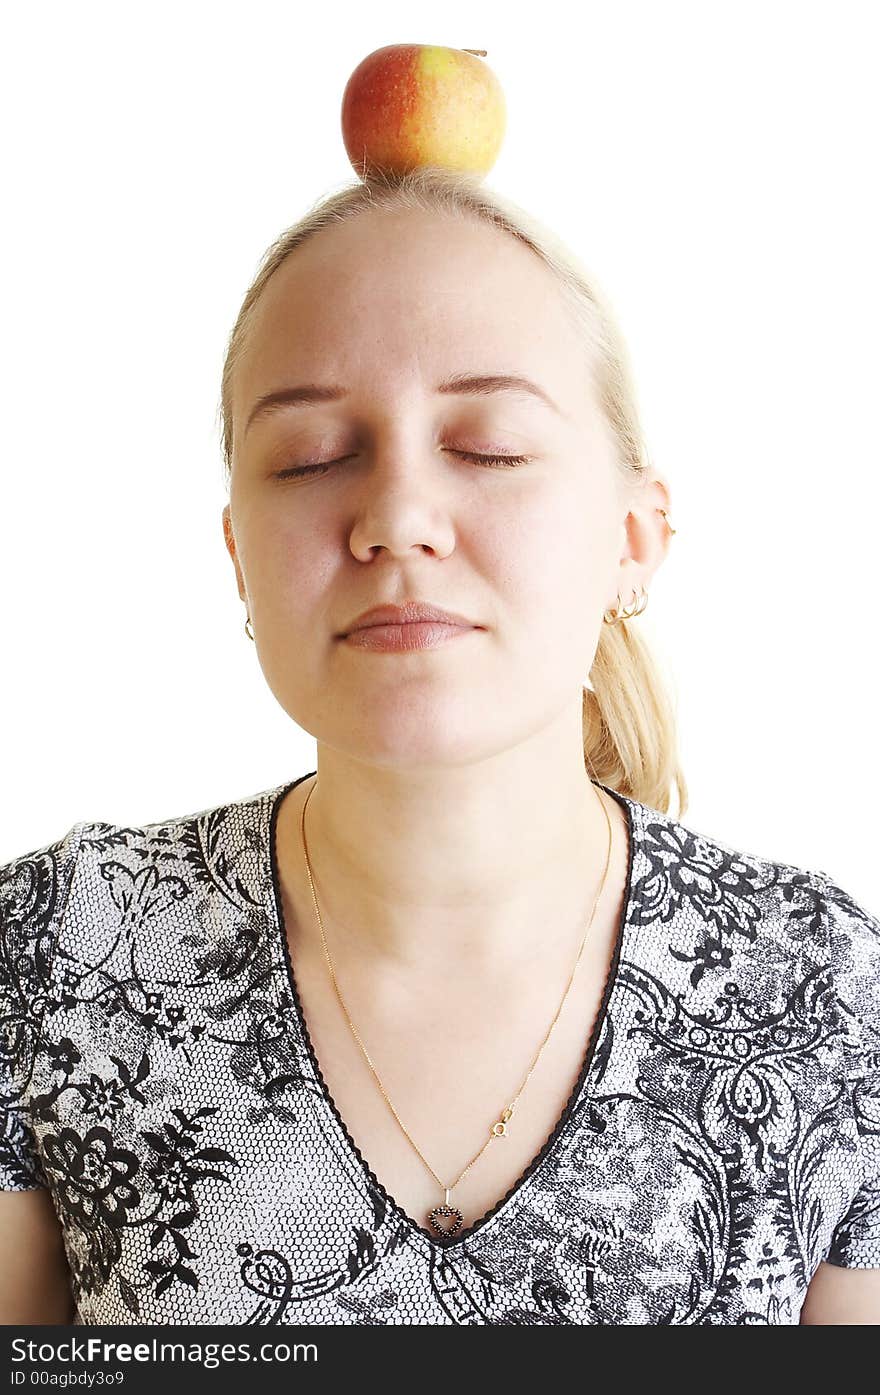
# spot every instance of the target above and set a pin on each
(493, 863)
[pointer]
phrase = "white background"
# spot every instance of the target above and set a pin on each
(713, 165)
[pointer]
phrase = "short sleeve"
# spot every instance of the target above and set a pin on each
(33, 895)
(854, 941)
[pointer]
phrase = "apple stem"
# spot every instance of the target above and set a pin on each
(480, 52)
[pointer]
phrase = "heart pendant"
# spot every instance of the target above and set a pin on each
(456, 1220)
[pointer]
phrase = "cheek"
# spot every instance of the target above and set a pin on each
(548, 551)
(547, 565)
(294, 571)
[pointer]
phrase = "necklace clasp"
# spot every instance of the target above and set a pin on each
(499, 1130)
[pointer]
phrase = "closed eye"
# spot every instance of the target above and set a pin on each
(500, 461)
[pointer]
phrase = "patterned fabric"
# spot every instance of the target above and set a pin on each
(157, 1076)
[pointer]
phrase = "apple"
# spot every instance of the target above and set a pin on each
(419, 104)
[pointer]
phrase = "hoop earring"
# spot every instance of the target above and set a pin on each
(249, 632)
(635, 607)
(637, 604)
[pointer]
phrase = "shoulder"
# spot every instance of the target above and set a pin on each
(854, 948)
(681, 869)
(34, 896)
(726, 905)
(34, 885)
(101, 873)
(207, 864)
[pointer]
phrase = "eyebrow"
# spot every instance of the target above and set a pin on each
(474, 385)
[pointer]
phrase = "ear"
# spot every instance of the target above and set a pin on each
(229, 539)
(648, 536)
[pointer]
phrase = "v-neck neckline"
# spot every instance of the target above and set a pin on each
(437, 1243)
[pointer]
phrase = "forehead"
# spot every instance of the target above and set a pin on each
(412, 295)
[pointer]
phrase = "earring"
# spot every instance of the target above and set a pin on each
(635, 607)
(249, 632)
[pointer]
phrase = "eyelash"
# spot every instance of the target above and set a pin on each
(500, 461)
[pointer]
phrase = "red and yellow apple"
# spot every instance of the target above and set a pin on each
(408, 105)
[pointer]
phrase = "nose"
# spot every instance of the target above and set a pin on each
(401, 511)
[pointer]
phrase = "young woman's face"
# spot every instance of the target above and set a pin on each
(386, 308)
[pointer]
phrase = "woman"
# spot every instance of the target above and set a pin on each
(463, 1026)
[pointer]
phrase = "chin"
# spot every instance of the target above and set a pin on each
(402, 738)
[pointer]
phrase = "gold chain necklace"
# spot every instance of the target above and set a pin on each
(446, 1219)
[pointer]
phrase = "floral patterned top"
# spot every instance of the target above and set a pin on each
(157, 1076)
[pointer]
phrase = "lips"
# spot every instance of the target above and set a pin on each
(409, 613)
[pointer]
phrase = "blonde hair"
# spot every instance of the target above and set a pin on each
(630, 740)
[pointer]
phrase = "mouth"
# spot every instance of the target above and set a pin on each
(407, 613)
(414, 634)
